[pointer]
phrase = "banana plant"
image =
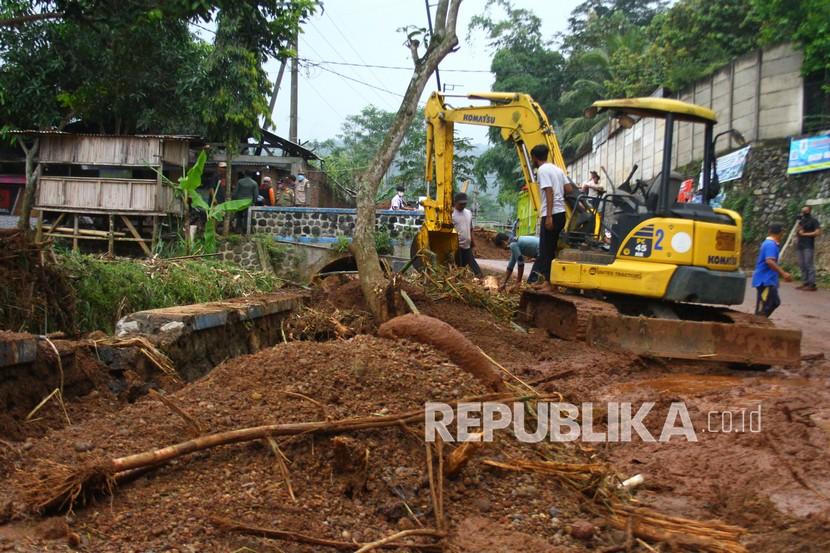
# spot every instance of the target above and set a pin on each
(189, 185)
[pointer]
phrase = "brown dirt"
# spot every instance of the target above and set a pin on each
(775, 483)
(485, 248)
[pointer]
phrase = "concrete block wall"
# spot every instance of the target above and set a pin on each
(760, 94)
(326, 225)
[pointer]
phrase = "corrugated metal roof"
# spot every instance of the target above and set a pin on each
(181, 137)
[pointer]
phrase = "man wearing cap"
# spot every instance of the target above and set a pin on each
(767, 272)
(300, 189)
(462, 219)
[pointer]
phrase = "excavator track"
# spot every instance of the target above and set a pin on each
(693, 332)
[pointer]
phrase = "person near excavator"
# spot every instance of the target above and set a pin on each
(553, 185)
(521, 247)
(768, 271)
(462, 219)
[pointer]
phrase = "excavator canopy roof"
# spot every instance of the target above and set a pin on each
(656, 107)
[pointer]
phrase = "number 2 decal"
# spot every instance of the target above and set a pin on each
(658, 245)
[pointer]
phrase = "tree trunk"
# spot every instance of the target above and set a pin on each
(443, 41)
(30, 189)
(230, 151)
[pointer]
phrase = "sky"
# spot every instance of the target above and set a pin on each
(366, 32)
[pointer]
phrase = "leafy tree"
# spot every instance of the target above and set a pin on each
(805, 21)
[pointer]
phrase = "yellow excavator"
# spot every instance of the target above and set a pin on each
(635, 270)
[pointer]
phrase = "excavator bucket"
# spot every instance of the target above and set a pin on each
(435, 247)
(710, 334)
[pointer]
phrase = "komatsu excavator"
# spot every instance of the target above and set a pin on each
(635, 270)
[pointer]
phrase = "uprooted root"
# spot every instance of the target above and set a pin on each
(317, 325)
(440, 335)
(54, 486)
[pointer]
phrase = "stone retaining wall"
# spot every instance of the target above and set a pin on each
(302, 224)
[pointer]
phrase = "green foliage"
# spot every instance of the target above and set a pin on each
(383, 242)
(107, 290)
(361, 136)
(807, 22)
(342, 244)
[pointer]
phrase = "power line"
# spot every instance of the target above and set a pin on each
(364, 83)
(308, 45)
(337, 52)
(356, 52)
(327, 62)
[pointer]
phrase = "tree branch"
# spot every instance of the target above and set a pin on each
(23, 19)
(441, 17)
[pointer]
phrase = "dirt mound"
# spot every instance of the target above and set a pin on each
(385, 491)
(485, 247)
(23, 303)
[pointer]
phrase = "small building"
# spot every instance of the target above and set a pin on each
(108, 187)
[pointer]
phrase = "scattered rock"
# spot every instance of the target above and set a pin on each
(582, 530)
(482, 504)
(82, 447)
(526, 491)
(172, 326)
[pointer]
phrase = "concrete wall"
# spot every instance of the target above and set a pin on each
(299, 241)
(759, 94)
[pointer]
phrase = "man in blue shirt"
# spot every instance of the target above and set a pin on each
(767, 272)
(524, 246)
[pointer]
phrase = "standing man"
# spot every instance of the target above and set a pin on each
(808, 230)
(246, 189)
(524, 246)
(285, 193)
(266, 190)
(462, 219)
(767, 272)
(300, 190)
(553, 184)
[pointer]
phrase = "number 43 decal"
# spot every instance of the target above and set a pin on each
(658, 244)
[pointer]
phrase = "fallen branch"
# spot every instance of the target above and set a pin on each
(52, 485)
(460, 456)
(193, 424)
(282, 466)
(399, 535)
(231, 526)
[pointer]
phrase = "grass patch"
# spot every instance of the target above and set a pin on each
(107, 290)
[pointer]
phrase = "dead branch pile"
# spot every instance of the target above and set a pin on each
(459, 285)
(316, 324)
(151, 352)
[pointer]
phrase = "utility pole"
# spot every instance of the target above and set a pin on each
(277, 85)
(295, 74)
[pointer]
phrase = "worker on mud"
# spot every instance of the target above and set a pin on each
(767, 272)
(553, 185)
(808, 230)
(462, 219)
(524, 246)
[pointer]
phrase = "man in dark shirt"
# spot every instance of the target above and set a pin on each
(246, 189)
(808, 229)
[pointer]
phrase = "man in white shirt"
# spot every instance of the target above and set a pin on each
(553, 185)
(398, 202)
(593, 188)
(462, 219)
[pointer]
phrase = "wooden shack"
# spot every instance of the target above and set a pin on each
(113, 183)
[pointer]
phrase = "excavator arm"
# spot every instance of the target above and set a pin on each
(522, 122)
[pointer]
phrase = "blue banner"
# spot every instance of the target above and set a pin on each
(811, 153)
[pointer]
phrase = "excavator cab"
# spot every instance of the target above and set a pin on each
(653, 279)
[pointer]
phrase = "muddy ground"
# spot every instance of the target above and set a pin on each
(775, 482)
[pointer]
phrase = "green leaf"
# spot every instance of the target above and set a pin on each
(193, 179)
(197, 201)
(232, 205)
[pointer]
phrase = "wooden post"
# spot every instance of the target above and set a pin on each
(111, 236)
(155, 232)
(136, 235)
(75, 234)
